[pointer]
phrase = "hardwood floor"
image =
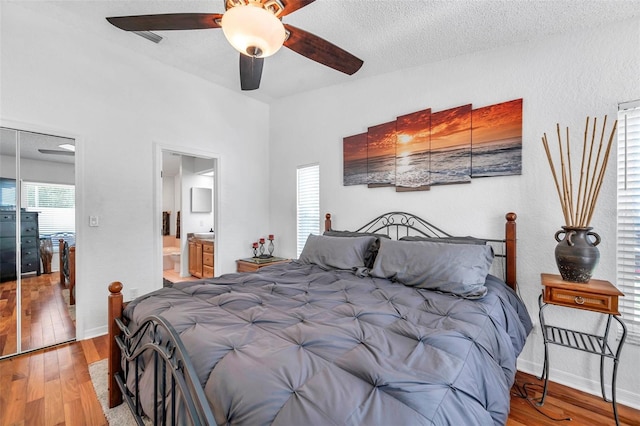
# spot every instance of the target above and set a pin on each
(174, 277)
(562, 402)
(45, 315)
(53, 387)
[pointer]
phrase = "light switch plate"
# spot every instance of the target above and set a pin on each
(93, 220)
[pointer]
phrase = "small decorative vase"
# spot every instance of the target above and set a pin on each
(576, 254)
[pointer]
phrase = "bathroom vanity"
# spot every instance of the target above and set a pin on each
(201, 257)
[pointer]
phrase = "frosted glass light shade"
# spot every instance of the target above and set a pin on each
(248, 27)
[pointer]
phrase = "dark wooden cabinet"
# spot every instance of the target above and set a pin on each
(29, 244)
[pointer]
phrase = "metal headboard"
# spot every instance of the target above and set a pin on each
(400, 224)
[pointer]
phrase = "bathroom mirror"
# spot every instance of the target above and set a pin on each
(201, 200)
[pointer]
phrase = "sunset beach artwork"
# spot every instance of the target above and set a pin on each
(381, 155)
(413, 145)
(451, 146)
(497, 140)
(354, 151)
(425, 148)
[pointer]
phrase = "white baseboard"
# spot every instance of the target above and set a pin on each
(623, 397)
(94, 332)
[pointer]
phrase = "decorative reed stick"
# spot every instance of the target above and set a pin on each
(578, 210)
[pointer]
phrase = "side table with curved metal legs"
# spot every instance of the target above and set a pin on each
(590, 343)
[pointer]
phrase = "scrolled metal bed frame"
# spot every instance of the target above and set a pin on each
(156, 344)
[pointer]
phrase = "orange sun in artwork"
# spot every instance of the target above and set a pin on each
(405, 141)
(404, 138)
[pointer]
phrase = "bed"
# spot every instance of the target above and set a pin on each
(363, 328)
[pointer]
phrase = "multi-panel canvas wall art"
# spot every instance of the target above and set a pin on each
(427, 148)
(451, 146)
(355, 160)
(497, 140)
(413, 151)
(381, 155)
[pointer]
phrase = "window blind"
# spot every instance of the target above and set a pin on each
(628, 230)
(308, 216)
(54, 202)
(7, 194)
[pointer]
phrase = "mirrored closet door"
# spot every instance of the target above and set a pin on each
(37, 240)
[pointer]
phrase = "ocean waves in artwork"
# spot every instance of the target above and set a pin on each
(500, 158)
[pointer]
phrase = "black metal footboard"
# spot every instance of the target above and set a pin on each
(176, 393)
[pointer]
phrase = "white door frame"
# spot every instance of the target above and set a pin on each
(158, 148)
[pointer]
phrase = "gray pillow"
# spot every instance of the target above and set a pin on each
(336, 252)
(449, 240)
(460, 269)
(370, 255)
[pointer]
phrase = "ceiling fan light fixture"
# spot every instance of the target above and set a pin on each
(253, 30)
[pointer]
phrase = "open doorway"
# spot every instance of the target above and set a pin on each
(188, 215)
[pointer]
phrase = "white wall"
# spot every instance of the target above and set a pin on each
(117, 105)
(561, 79)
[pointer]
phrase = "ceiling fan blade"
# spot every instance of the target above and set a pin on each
(168, 21)
(320, 50)
(250, 72)
(56, 152)
(293, 5)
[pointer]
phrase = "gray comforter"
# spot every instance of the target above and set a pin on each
(298, 345)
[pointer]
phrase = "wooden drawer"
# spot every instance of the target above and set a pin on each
(207, 259)
(604, 303)
(29, 217)
(30, 241)
(7, 217)
(207, 271)
(596, 295)
(207, 248)
(28, 229)
(244, 266)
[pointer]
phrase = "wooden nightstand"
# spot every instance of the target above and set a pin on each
(247, 265)
(597, 296)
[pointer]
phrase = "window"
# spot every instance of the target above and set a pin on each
(56, 204)
(628, 245)
(308, 203)
(7, 194)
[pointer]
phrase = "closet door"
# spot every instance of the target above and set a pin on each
(9, 286)
(47, 215)
(37, 209)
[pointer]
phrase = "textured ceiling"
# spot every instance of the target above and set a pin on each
(386, 34)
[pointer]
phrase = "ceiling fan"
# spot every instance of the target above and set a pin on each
(56, 152)
(67, 150)
(255, 29)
